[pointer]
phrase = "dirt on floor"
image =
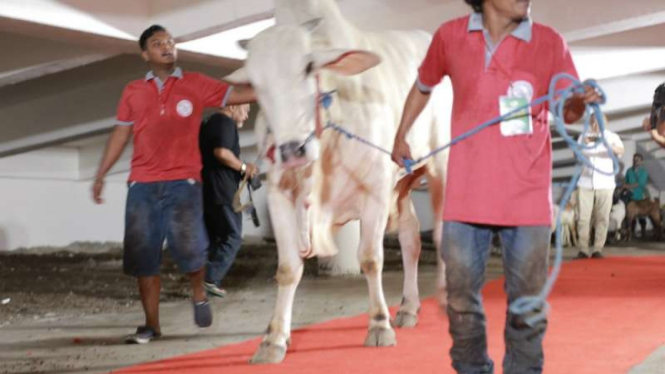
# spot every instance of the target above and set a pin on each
(87, 278)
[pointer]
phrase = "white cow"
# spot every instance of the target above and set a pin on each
(317, 185)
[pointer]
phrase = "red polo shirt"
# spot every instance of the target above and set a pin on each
(495, 179)
(166, 118)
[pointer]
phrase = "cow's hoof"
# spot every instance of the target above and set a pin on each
(406, 319)
(380, 337)
(268, 354)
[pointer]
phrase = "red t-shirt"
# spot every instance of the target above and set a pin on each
(494, 179)
(166, 124)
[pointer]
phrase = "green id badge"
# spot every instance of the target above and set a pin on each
(519, 122)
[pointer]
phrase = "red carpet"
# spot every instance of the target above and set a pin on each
(607, 315)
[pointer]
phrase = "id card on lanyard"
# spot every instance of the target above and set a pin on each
(520, 94)
(519, 123)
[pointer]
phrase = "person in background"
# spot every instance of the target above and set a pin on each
(596, 188)
(222, 171)
(636, 182)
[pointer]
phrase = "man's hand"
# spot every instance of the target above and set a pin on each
(401, 151)
(97, 188)
(576, 105)
(591, 96)
(251, 171)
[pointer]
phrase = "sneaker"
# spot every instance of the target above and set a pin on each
(213, 290)
(143, 335)
(597, 255)
(580, 256)
(202, 313)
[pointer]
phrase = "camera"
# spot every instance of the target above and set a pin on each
(255, 183)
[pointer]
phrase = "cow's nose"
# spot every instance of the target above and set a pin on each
(291, 151)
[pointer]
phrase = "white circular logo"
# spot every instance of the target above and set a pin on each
(184, 108)
(522, 89)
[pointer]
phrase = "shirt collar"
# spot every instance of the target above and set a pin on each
(522, 32)
(177, 73)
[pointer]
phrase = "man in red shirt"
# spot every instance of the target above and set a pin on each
(498, 180)
(163, 113)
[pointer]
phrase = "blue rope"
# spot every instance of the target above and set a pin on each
(533, 309)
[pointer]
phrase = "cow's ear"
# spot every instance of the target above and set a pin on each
(345, 62)
(238, 77)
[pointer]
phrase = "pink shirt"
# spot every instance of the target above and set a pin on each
(494, 179)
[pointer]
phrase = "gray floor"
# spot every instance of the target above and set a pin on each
(93, 343)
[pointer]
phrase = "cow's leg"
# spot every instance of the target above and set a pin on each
(410, 245)
(437, 191)
(409, 240)
(370, 254)
(289, 272)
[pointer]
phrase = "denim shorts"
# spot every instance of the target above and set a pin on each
(156, 211)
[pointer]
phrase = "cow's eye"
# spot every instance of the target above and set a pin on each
(309, 68)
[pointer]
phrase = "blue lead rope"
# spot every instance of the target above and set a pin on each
(532, 309)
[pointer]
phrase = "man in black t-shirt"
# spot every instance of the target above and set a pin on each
(222, 172)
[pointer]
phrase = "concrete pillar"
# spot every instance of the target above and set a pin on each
(346, 260)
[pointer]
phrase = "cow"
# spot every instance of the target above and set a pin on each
(643, 208)
(319, 180)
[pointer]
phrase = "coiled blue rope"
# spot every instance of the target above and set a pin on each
(532, 309)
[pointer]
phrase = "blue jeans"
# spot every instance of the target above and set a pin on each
(224, 227)
(465, 249)
(171, 210)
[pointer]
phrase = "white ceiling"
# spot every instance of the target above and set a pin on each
(65, 61)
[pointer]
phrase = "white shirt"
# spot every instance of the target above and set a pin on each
(600, 158)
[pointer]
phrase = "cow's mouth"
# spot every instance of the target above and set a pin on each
(298, 154)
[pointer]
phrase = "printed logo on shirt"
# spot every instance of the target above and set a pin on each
(521, 89)
(184, 108)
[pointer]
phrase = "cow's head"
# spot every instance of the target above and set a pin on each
(282, 67)
(298, 11)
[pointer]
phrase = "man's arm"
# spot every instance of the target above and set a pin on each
(415, 102)
(227, 158)
(241, 94)
(114, 148)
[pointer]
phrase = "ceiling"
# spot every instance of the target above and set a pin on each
(65, 62)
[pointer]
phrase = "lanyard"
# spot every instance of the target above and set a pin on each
(486, 35)
(163, 94)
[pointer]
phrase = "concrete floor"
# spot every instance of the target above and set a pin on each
(93, 343)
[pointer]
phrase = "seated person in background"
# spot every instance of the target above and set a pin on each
(636, 182)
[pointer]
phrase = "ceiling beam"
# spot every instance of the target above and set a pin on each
(40, 70)
(56, 137)
(615, 27)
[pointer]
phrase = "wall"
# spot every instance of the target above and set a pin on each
(42, 202)
(45, 199)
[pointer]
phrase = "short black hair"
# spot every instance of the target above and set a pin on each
(477, 5)
(150, 31)
(638, 155)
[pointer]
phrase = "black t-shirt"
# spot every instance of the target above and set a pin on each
(219, 181)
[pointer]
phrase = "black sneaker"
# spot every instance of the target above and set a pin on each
(580, 256)
(143, 335)
(202, 313)
(597, 255)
